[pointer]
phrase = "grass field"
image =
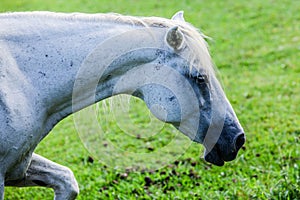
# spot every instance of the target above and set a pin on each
(256, 47)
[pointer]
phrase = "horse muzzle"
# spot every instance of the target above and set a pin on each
(221, 153)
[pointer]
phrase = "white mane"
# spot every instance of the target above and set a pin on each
(198, 54)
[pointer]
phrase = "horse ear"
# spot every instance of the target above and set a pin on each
(175, 38)
(178, 16)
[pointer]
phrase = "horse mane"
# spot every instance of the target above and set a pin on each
(199, 56)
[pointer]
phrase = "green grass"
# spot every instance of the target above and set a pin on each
(256, 47)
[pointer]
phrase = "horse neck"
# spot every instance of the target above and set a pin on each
(51, 51)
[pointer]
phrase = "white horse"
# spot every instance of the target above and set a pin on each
(52, 65)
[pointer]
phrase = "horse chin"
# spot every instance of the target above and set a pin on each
(214, 157)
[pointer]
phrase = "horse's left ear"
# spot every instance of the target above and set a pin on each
(175, 38)
(178, 16)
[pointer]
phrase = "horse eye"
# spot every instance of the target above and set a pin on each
(200, 79)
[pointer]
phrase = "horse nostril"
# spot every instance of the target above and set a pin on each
(240, 141)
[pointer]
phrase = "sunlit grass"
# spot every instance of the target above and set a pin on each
(256, 46)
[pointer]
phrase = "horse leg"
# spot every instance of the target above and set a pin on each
(45, 173)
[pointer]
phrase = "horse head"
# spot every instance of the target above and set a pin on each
(188, 95)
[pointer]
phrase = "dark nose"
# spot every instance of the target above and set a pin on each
(240, 141)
